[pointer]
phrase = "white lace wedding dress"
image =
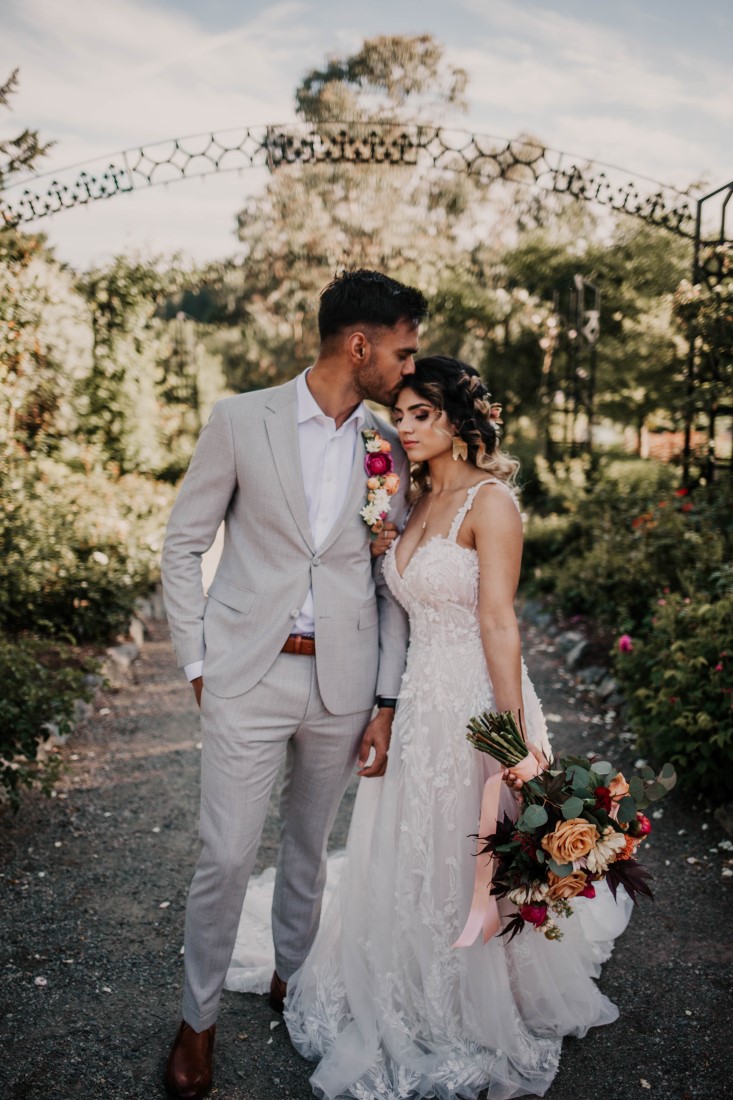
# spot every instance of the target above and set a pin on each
(386, 1005)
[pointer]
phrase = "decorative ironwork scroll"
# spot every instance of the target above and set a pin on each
(709, 306)
(484, 157)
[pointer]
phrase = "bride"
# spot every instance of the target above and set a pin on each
(385, 1003)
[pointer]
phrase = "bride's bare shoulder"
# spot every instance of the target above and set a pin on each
(496, 507)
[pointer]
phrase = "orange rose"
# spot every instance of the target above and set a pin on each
(391, 483)
(385, 446)
(618, 787)
(373, 483)
(568, 887)
(570, 840)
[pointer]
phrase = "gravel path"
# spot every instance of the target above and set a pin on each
(93, 886)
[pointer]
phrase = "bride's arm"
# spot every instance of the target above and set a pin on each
(497, 531)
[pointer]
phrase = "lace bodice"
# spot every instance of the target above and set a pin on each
(439, 586)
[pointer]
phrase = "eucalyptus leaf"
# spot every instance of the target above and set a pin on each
(578, 777)
(572, 807)
(562, 870)
(646, 772)
(655, 791)
(667, 777)
(603, 767)
(534, 816)
(539, 856)
(636, 788)
(626, 810)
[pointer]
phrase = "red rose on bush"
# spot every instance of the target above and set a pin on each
(377, 463)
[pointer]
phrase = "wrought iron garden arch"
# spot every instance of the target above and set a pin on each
(703, 221)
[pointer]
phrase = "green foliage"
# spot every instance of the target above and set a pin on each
(392, 78)
(41, 683)
(678, 679)
(627, 542)
(22, 152)
(76, 547)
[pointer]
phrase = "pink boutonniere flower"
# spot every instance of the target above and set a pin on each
(382, 481)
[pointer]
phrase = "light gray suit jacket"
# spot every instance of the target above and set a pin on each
(246, 470)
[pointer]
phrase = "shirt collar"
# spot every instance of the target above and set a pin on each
(309, 409)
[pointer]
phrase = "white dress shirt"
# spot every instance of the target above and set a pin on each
(327, 460)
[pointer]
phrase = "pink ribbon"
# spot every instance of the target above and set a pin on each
(484, 914)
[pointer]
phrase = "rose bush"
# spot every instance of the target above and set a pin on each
(41, 683)
(76, 547)
(678, 681)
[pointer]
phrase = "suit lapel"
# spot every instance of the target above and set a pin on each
(281, 425)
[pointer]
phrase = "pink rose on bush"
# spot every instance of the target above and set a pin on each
(625, 643)
(534, 914)
(378, 463)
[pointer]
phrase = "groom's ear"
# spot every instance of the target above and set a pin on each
(358, 346)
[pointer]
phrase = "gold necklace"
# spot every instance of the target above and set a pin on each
(457, 489)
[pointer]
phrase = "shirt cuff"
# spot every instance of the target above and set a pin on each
(194, 670)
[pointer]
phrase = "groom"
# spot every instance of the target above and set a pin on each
(299, 637)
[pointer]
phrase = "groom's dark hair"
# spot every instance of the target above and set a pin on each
(368, 298)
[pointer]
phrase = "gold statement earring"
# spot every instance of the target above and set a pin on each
(460, 448)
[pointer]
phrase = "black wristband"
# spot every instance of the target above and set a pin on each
(386, 701)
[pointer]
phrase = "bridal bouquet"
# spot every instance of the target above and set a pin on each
(581, 823)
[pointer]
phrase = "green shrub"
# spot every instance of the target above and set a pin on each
(40, 685)
(678, 680)
(76, 547)
(629, 544)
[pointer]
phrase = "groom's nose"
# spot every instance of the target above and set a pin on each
(408, 367)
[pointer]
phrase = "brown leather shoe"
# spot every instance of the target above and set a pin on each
(189, 1065)
(278, 989)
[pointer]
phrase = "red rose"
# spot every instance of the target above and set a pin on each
(534, 914)
(681, 492)
(378, 463)
(603, 799)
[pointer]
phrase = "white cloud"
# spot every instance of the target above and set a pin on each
(126, 72)
(540, 66)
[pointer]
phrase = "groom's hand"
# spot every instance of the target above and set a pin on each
(198, 687)
(376, 736)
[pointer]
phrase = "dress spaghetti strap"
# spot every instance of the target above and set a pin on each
(466, 507)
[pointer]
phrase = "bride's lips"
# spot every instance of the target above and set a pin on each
(409, 443)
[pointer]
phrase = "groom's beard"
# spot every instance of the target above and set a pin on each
(372, 386)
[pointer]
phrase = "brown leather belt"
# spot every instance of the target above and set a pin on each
(304, 644)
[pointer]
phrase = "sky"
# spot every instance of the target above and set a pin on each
(644, 84)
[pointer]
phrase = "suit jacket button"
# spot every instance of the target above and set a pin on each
(316, 561)
(294, 613)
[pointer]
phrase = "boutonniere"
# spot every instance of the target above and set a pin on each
(382, 481)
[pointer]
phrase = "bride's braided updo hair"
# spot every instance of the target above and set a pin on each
(457, 389)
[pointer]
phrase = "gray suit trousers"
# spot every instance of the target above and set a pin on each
(244, 741)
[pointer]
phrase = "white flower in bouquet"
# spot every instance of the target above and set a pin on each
(381, 500)
(370, 513)
(605, 851)
(533, 891)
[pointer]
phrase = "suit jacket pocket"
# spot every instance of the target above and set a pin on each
(239, 599)
(368, 617)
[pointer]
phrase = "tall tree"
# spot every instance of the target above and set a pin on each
(314, 218)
